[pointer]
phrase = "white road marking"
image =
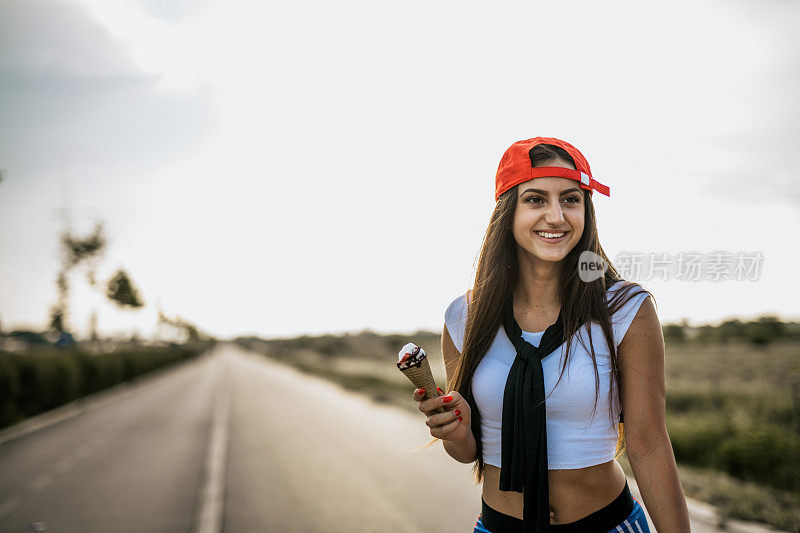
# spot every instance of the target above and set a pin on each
(209, 518)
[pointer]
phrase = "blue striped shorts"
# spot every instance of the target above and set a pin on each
(636, 522)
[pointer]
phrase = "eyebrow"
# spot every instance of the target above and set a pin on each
(567, 191)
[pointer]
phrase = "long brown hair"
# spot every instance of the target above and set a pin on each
(498, 272)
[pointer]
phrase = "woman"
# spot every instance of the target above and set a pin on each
(545, 355)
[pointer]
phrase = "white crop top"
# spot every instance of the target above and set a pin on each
(576, 437)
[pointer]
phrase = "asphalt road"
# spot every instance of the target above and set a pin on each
(238, 443)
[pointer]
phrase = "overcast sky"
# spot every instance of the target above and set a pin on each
(279, 168)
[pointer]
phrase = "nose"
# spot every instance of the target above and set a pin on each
(554, 215)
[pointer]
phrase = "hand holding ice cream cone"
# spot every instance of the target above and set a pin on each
(448, 416)
(453, 423)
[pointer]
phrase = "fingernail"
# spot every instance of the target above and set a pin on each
(458, 412)
(440, 390)
(459, 419)
(447, 399)
(421, 391)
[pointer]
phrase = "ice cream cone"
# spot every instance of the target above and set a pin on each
(413, 362)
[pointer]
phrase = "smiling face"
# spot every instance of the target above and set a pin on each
(548, 205)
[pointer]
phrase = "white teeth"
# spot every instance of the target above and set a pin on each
(550, 235)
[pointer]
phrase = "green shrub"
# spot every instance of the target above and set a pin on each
(695, 439)
(674, 332)
(36, 373)
(764, 454)
(31, 383)
(700, 401)
(9, 391)
(329, 345)
(66, 380)
(395, 342)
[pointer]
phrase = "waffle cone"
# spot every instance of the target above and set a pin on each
(422, 378)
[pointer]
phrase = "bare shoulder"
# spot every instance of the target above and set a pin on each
(644, 332)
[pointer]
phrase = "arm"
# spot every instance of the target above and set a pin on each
(463, 450)
(641, 360)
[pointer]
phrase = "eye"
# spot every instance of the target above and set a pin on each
(533, 199)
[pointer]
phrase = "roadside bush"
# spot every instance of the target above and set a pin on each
(686, 401)
(695, 439)
(31, 383)
(763, 454)
(36, 374)
(674, 332)
(66, 383)
(9, 392)
(395, 342)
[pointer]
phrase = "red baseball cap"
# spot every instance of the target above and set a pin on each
(515, 167)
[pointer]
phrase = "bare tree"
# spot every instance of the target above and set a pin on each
(75, 252)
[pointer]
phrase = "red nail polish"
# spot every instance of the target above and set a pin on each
(458, 412)
(440, 390)
(421, 391)
(459, 419)
(447, 399)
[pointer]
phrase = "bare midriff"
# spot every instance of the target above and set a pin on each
(574, 493)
